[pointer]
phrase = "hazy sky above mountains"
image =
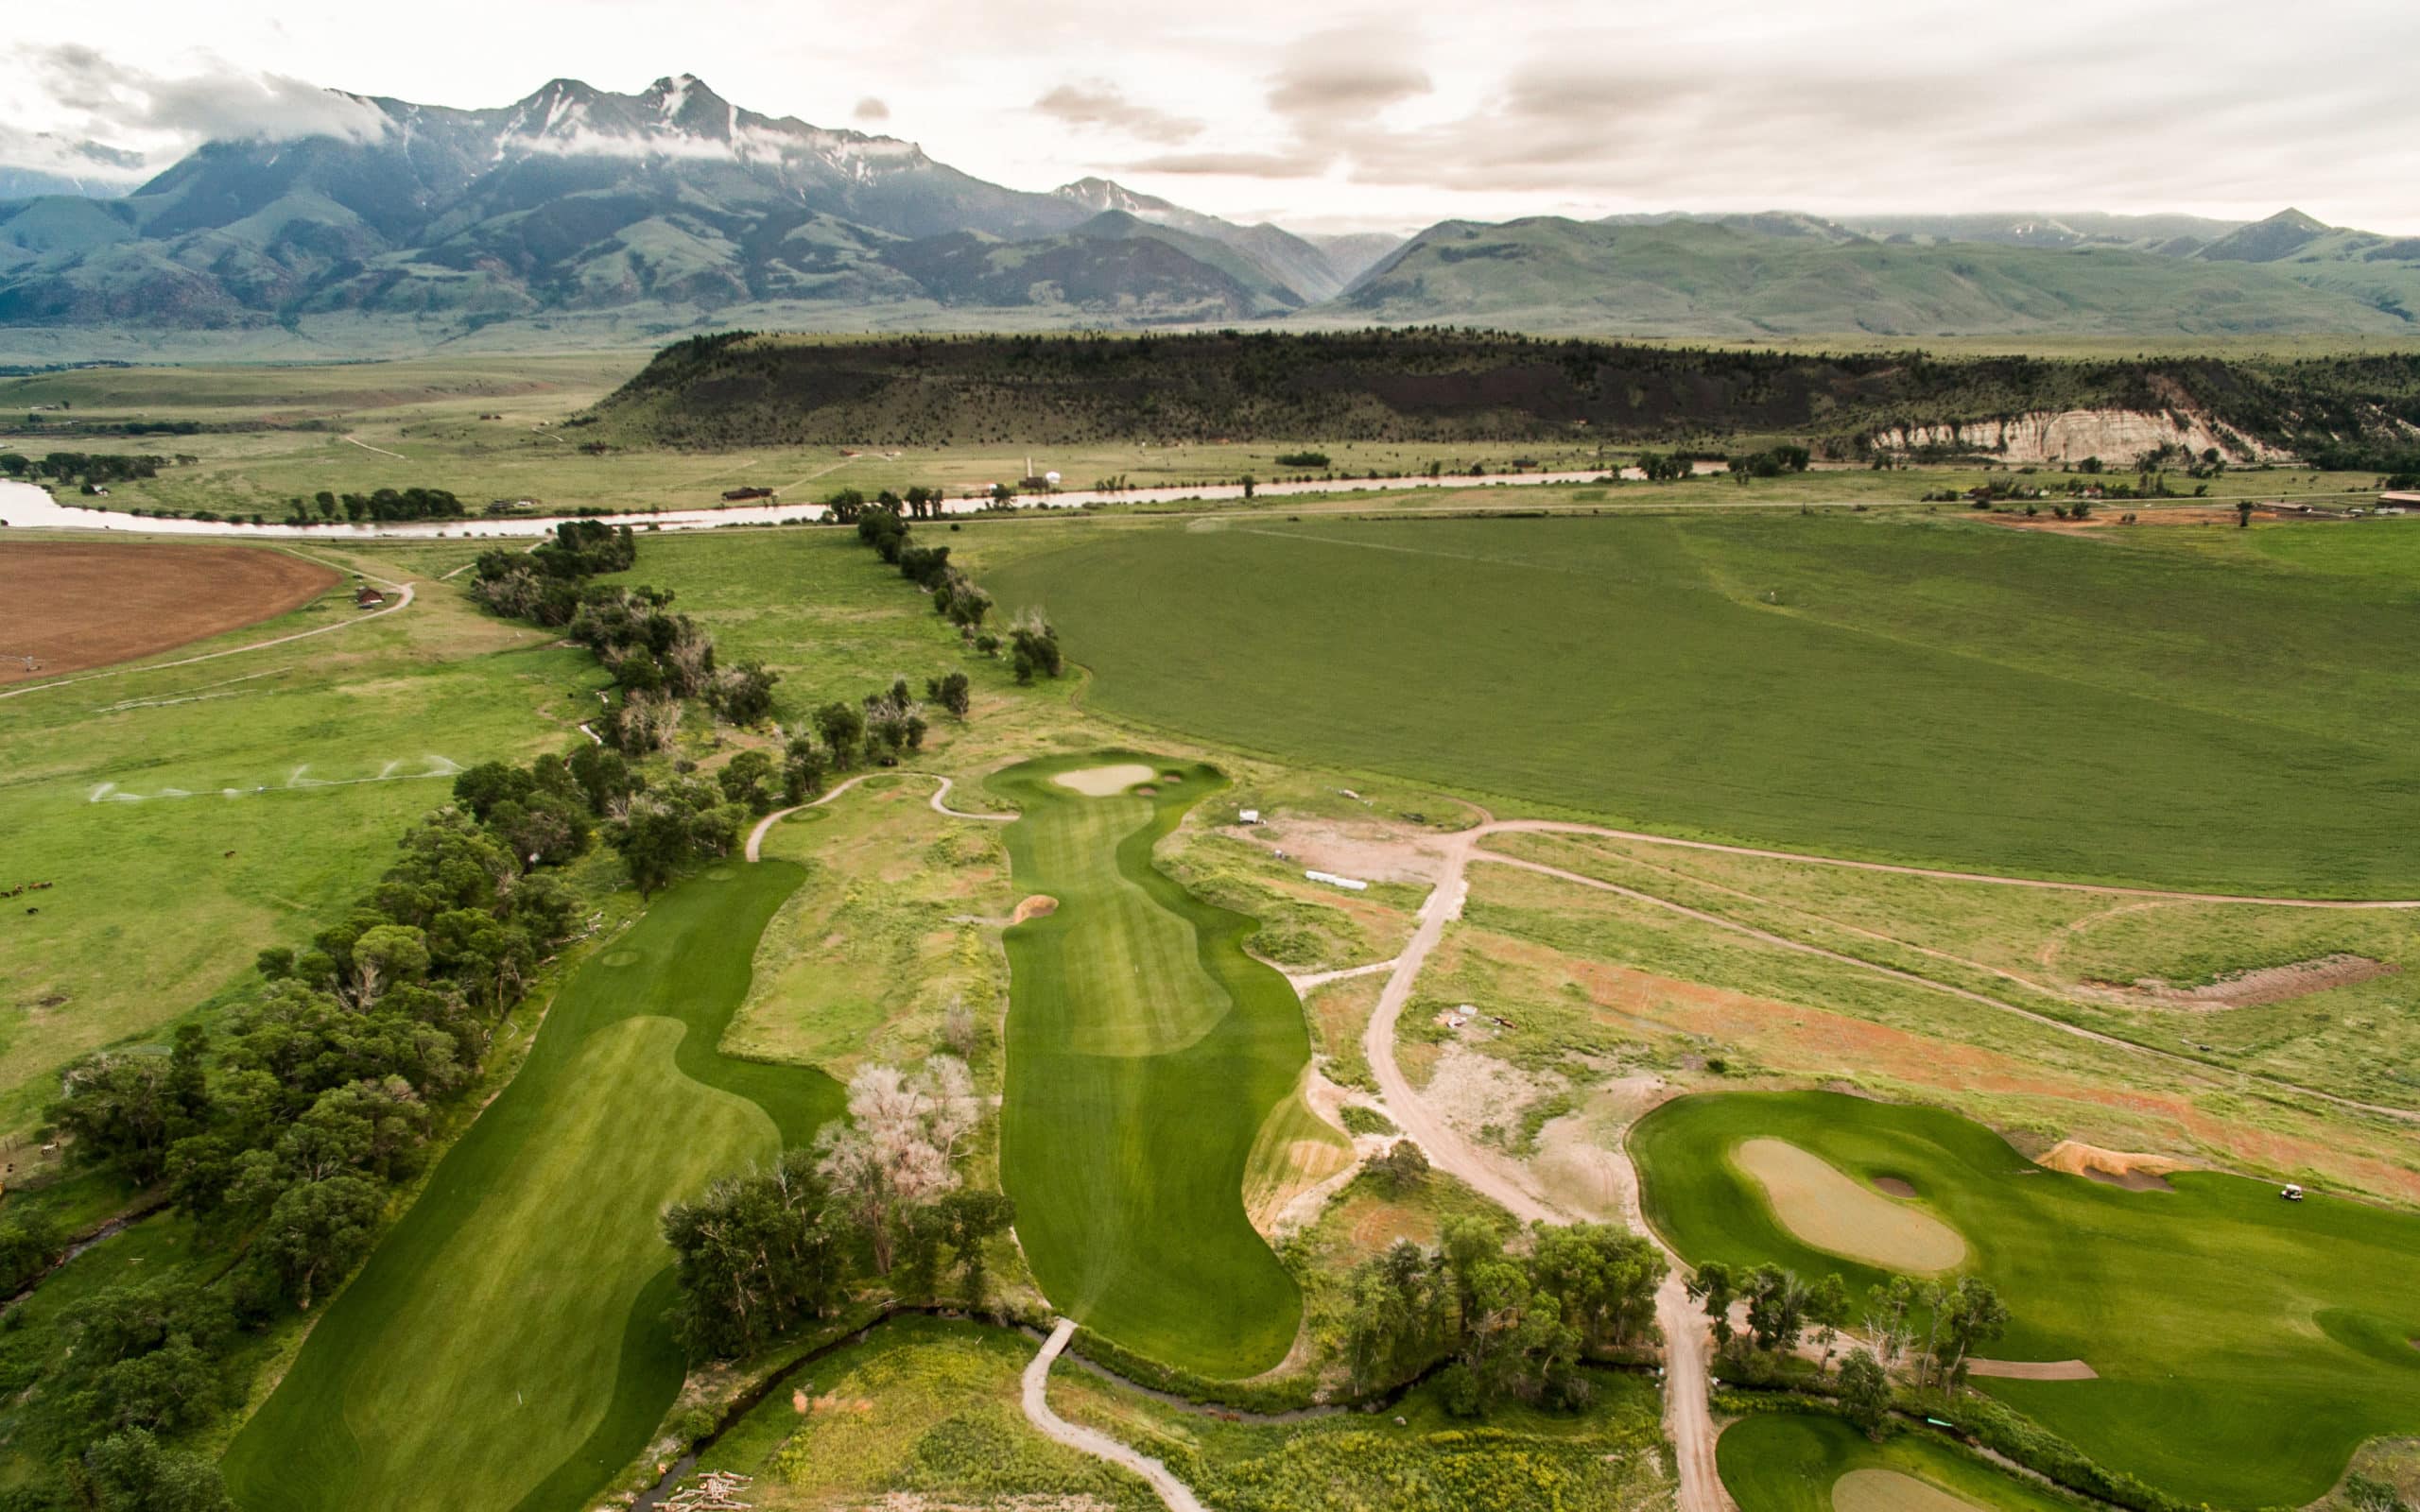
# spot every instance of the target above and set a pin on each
(1334, 118)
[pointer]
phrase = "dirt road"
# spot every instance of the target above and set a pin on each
(1177, 1496)
(1687, 1420)
(940, 805)
(1687, 1343)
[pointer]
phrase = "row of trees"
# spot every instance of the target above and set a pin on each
(87, 468)
(1513, 1326)
(1929, 1328)
(762, 1254)
(383, 504)
(283, 1134)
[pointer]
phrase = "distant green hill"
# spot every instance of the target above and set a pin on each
(741, 390)
(1700, 278)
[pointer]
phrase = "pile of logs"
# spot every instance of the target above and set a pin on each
(715, 1491)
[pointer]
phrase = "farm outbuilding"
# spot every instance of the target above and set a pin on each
(367, 597)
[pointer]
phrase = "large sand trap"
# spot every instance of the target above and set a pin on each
(1880, 1490)
(1105, 781)
(1828, 1208)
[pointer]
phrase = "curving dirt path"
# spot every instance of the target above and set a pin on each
(1687, 1344)
(1312, 981)
(1175, 1494)
(2107, 889)
(940, 805)
(2402, 1115)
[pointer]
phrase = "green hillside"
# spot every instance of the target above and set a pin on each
(1694, 277)
(740, 390)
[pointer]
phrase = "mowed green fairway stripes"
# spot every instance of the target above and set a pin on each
(2245, 1345)
(1145, 1049)
(1906, 688)
(1778, 1462)
(507, 1344)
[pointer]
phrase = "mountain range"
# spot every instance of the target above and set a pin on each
(678, 209)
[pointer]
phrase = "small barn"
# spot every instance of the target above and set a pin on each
(367, 597)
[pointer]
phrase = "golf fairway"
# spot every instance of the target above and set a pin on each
(1145, 1049)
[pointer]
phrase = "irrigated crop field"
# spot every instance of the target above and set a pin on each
(2244, 1346)
(73, 604)
(1909, 687)
(1145, 1050)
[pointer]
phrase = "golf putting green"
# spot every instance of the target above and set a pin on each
(2241, 1342)
(1145, 1052)
(1781, 1462)
(507, 1344)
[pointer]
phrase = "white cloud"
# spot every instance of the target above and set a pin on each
(1391, 116)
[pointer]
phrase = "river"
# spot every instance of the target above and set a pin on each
(21, 505)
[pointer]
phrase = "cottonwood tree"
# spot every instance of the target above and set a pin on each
(1604, 1277)
(1397, 1308)
(1974, 1314)
(1887, 1320)
(1714, 1288)
(898, 1147)
(1865, 1392)
(756, 1256)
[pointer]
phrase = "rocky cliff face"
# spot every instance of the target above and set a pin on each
(2114, 435)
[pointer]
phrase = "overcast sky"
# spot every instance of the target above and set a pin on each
(1385, 118)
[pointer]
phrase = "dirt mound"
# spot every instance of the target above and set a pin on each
(2117, 1168)
(1034, 907)
(74, 605)
(2244, 989)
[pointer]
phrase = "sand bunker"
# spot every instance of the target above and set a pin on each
(1891, 1186)
(1105, 781)
(2245, 990)
(2032, 1369)
(1834, 1211)
(1034, 907)
(2117, 1168)
(1880, 1490)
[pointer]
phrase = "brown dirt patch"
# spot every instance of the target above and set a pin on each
(1369, 849)
(2117, 1168)
(75, 605)
(1873, 1489)
(1034, 907)
(2245, 990)
(2033, 1369)
(1891, 1186)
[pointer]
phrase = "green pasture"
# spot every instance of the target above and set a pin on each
(507, 1344)
(188, 817)
(945, 1422)
(1145, 1050)
(1781, 1462)
(1906, 687)
(2245, 1346)
(815, 605)
(1414, 1456)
